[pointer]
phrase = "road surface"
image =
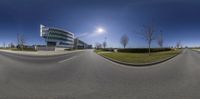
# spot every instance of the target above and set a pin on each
(85, 75)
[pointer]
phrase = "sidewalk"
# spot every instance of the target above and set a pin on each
(196, 50)
(40, 53)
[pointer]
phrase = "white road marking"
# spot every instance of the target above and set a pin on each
(67, 59)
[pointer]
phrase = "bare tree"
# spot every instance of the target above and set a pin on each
(21, 41)
(148, 35)
(104, 44)
(4, 45)
(178, 44)
(98, 45)
(124, 40)
(160, 40)
(11, 45)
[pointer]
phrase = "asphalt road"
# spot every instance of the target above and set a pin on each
(85, 75)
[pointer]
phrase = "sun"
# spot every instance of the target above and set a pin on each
(100, 30)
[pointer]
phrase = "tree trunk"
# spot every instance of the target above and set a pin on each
(22, 47)
(149, 49)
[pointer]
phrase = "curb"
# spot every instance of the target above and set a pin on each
(196, 51)
(139, 65)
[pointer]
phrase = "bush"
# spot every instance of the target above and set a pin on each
(24, 49)
(71, 49)
(107, 49)
(29, 49)
(143, 50)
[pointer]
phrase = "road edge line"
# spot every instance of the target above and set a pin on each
(62, 61)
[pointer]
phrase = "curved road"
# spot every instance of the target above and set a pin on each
(85, 75)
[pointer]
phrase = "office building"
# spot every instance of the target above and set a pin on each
(79, 44)
(57, 37)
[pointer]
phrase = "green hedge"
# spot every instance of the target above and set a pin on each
(107, 49)
(69, 49)
(143, 50)
(24, 49)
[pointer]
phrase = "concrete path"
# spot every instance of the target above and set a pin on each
(40, 53)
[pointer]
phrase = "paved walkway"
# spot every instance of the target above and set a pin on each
(40, 53)
(196, 49)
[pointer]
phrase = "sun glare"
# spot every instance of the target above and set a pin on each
(100, 31)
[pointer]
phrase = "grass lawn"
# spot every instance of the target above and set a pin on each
(139, 57)
(98, 51)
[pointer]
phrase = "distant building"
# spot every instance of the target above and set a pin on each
(55, 37)
(79, 44)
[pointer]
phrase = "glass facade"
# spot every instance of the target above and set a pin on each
(57, 37)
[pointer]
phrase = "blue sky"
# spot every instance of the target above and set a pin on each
(178, 19)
